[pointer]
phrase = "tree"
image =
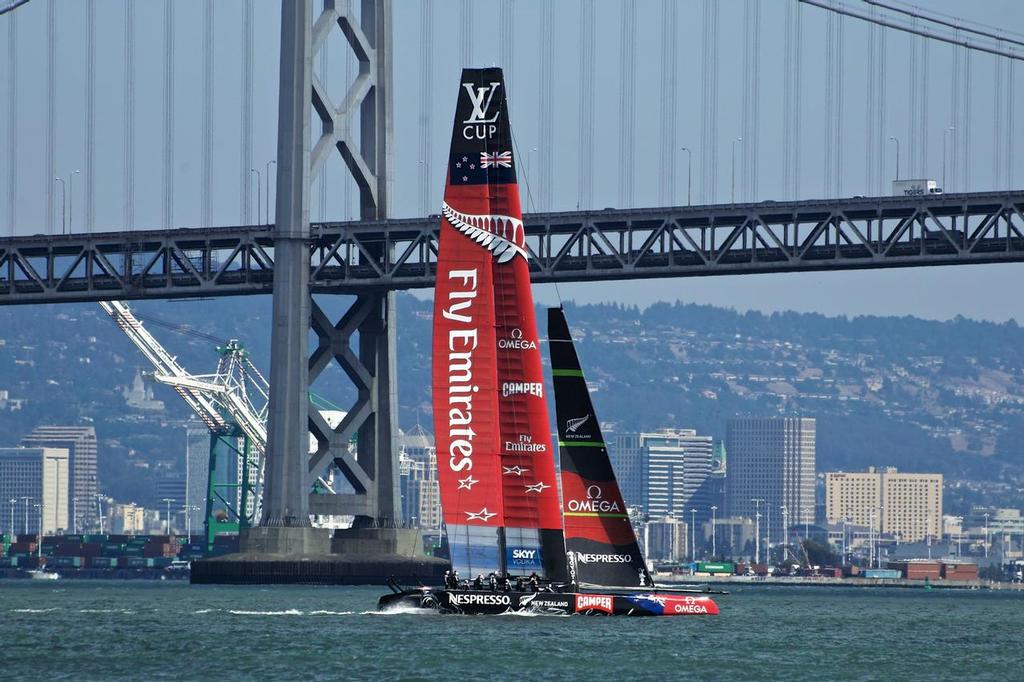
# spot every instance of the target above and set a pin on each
(819, 554)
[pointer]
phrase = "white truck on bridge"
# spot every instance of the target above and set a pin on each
(915, 188)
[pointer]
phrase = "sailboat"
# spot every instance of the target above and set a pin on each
(515, 543)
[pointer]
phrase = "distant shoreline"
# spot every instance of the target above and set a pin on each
(902, 583)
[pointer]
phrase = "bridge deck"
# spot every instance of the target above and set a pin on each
(612, 244)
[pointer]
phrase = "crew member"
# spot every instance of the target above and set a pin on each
(534, 582)
(493, 580)
(478, 582)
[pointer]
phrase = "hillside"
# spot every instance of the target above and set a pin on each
(921, 395)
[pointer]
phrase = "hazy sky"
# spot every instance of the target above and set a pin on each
(987, 292)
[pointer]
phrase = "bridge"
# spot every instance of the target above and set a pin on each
(355, 257)
(374, 254)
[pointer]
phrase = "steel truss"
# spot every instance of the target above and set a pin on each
(369, 257)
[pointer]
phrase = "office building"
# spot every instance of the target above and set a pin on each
(908, 506)
(417, 468)
(33, 489)
(771, 466)
(80, 443)
(678, 463)
(630, 466)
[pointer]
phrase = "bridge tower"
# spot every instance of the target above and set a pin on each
(284, 547)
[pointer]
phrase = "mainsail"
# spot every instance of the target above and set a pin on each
(494, 453)
(600, 544)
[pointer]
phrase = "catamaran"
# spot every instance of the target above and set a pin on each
(507, 527)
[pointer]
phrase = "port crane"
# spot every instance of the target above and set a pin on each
(232, 403)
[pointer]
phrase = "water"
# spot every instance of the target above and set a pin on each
(132, 630)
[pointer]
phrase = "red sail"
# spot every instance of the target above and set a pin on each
(486, 353)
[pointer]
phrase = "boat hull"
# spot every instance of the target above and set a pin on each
(486, 602)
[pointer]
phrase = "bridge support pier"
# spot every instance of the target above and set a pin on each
(285, 548)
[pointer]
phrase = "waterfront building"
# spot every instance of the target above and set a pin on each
(32, 477)
(127, 519)
(908, 506)
(772, 460)
(80, 443)
(667, 539)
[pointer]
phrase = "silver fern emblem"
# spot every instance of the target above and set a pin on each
(502, 235)
(575, 424)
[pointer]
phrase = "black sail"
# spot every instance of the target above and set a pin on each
(601, 547)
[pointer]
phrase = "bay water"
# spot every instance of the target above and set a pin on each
(86, 630)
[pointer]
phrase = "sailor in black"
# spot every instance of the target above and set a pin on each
(534, 582)
(478, 582)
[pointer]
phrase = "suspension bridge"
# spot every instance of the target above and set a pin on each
(349, 69)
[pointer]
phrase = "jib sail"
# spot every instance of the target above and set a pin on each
(495, 460)
(600, 544)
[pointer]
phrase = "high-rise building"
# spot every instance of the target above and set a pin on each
(771, 466)
(908, 506)
(630, 464)
(417, 468)
(33, 489)
(664, 472)
(80, 443)
(678, 467)
(197, 472)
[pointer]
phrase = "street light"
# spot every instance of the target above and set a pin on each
(56, 506)
(259, 193)
(99, 510)
(738, 139)
(785, 529)
(267, 178)
(947, 130)
(986, 534)
(13, 501)
(63, 205)
(714, 546)
(693, 533)
(167, 501)
(26, 500)
(689, 168)
(897, 141)
(757, 528)
(71, 202)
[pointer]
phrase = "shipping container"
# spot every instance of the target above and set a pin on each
(881, 573)
(101, 562)
(709, 567)
(68, 562)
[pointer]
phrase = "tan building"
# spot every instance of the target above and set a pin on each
(34, 486)
(127, 519)
(907, 505)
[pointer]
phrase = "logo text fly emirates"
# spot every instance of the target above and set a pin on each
(593, 602)
(462, 341)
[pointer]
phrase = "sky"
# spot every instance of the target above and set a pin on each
(423, 112)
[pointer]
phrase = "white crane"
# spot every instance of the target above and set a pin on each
(231, 402)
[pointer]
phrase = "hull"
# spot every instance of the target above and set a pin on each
(486, 602)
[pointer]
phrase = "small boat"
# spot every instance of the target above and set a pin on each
(43, 574)
(502, 511)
